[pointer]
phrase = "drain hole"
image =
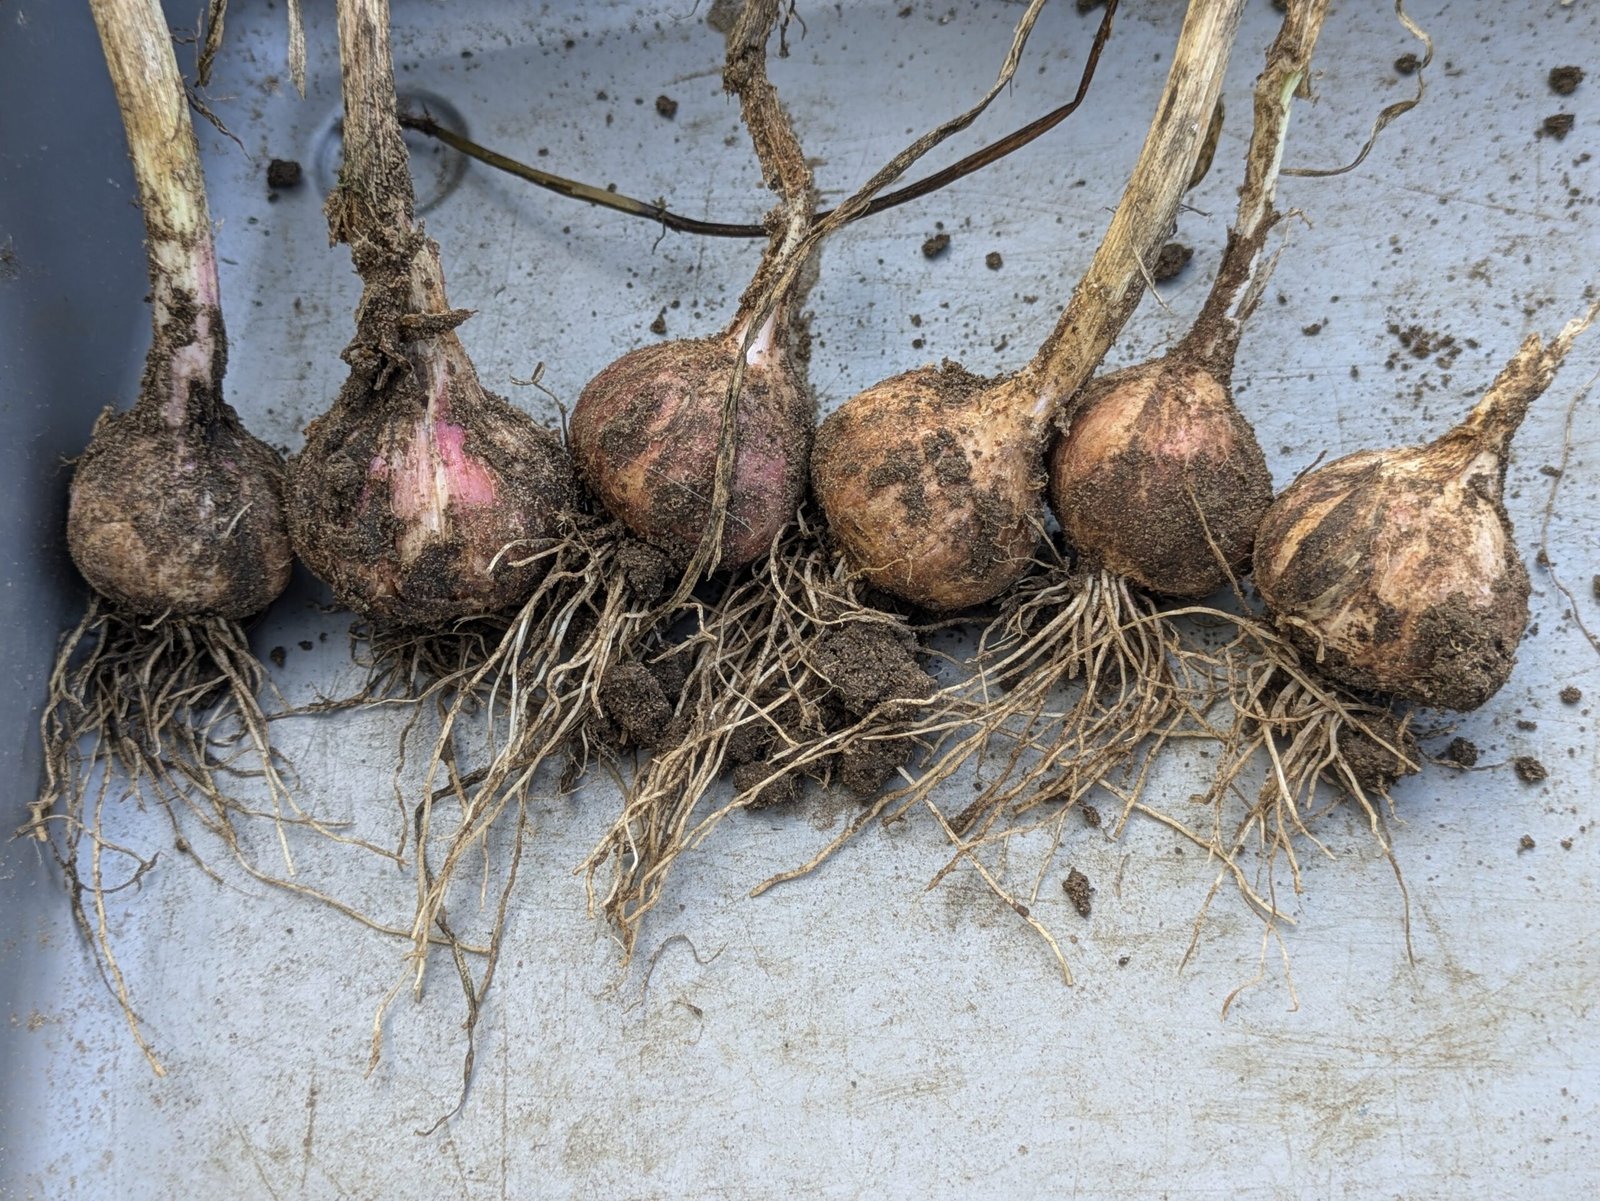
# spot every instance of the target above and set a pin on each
(436, 170)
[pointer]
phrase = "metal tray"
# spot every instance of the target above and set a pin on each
(854, 1035)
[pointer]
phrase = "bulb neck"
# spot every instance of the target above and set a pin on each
(1495, 419)
(188, 352)
(373, 208)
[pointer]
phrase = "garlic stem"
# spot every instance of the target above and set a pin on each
(1245, 267)
(778, 150)
(1495, 419)
(184, 370)
(1111, 288)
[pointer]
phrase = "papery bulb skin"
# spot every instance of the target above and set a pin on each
(1396, 571)
(1159, 479)
(645, 434)
(180, 518)
(403, 499)
(931, 484)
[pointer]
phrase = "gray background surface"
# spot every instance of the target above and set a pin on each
(853, 1036)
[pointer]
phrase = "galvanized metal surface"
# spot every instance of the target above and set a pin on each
(854, 1035)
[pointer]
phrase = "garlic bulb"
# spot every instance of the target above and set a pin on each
(931, 484)
(421, 497)
(1396, 570)
(183, 518)
(645, 436)
(1160, 479)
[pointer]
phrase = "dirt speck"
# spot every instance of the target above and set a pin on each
(1571, 694)
(659, 325)
(1312, 330)
(1171, 261)
(667, 107)
(1525, 843)
(283, 173)
(1463, 752)
(1557, 125)
(1091, 816)
(1079, 891)
(936, 245)
(1529, 770)
(1407, 64)
(1425, 343)
(278, 655)
(1565, 80)
(993, 261)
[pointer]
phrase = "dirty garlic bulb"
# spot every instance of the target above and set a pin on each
(931, 480)
(1396, 570)
(646, 430)
(420, 496)
(1159, 478)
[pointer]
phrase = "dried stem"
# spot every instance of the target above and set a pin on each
(783, 162)
(374, 206)
(1245, 269)
(1111, 288)
(1496, 418)
(655, 211)
(183, 372)
(404, 321)
(1389, 112)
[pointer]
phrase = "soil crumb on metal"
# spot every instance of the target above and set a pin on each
(283, 173)
(1565, 80)
(1079, 891)
(1529, 770)
(1171, 261)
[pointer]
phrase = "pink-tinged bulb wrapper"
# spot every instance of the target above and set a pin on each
(1160, 480)
(420, 514)
(645, 436)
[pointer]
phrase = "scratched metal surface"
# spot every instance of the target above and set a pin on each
(854, 1036)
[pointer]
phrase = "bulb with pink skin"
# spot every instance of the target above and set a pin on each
(645, 435)
(419, 497)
